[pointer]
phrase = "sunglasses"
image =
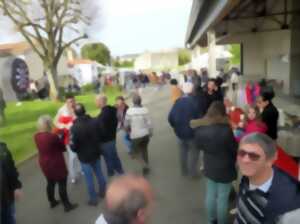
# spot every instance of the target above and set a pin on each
(252, 156)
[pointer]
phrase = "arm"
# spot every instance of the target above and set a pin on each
(127, 122)
(73, 140)
(9, 168)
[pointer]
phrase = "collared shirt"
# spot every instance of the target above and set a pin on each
(264, 187)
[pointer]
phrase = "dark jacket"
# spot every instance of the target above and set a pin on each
(51, 158)
(283, 195)
(183, 111)
(9, 176)
(84, 140)
(216, 96)
(220, 147)
(270, 117)
(107, 122)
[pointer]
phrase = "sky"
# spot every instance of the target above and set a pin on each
(132, 26)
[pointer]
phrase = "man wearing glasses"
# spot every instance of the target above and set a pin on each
(266, 194)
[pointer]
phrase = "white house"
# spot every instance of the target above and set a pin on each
(157, 60)
(84, 71)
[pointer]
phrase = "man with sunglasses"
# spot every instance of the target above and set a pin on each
(266, 194)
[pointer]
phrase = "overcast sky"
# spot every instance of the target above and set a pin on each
(133, 26)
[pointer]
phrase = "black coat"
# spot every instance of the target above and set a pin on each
(216, 96)
(84, 140)
(107, 122)
(9, 176)
(270, 117)
(220, 149)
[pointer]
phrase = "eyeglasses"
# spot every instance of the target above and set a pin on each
(252, 156)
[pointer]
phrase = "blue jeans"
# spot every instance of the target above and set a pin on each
(8, 214)
(127, 141)
(216, 202)
(88, 170)
(189, 157)
(112, 160)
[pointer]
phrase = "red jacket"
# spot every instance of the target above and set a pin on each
(51, 158)
(255, 126)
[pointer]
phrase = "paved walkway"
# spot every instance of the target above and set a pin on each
(178, 200)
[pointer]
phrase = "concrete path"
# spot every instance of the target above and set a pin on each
(178, 199)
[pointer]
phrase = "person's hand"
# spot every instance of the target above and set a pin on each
(18, 194)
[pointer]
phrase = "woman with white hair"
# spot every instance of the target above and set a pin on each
(52, 163)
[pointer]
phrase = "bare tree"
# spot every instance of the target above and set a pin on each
(50, 27)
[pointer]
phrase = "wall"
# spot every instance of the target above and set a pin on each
(5, 75)
(263, 53)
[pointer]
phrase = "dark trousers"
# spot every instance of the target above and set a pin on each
(140, 148)
(112, 160)
(8, 213)
(62, 189)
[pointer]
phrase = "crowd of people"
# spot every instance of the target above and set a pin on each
(233, 148)
(206, 122)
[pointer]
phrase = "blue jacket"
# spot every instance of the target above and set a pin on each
(183, 111)
(283, 196)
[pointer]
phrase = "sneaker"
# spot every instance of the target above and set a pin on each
(54, 204)
(101, 194)
(233, 211)
(74, 181)
(70, 207)
(146, 171)
(93, 203)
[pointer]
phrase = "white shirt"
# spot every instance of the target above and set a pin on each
(264, 187)
(137, 118)
(101, 220)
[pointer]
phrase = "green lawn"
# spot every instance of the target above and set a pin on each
(21, 121)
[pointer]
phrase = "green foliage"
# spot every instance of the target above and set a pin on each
(21, 121)
(88, 88)
(235, 50)
(123, 64)
(96, 52)
(184, 56)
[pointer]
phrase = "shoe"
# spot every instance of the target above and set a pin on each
(233, 211)
(70, 207)
(93, 203)
(54, 204)
(101, 194)
(146, 171)
(74, 181)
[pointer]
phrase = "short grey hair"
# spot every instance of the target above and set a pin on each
(44, 123)
(136, 100)
(128, 209)
(266, 143)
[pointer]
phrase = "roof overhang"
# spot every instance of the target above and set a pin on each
(229, 18)
(204, 15)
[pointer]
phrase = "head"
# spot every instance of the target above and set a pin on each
(79, 110)
(216, 110)
(129, 199)
(137, 100)
(187, 88)
(256, 155)
(211, 85)
(70, 102)
(252, 113)
(173, 82)
(120, 101)
(44, 123)
(101, 101)
(265, 97)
